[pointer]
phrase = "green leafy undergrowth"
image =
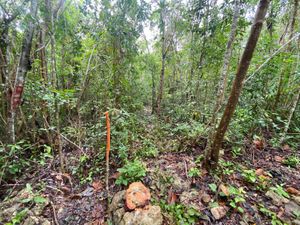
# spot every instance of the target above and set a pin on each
(292, 161)
(182, 215)
(237, 197)
(21, 156)
(131, 172)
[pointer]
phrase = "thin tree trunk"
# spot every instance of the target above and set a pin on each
(24, 66)
(292, 111)
(227, 57)
(289, 48)
(51, 16)
(212, 159)
(163, 59)
(294, 17)
(81, 94)
(153, 90)
(224, 72)
(42, 51)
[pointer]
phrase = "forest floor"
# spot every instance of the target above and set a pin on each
(256, 186)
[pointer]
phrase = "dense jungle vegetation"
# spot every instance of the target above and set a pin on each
(197, 99)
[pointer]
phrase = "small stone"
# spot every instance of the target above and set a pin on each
(222, 152)
(137, 196)
(219, 212)
(277, 199)
(187, 196)
(296, 222)
(206, 198)
(296, 199)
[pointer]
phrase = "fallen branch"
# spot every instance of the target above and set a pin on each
(54, 214)
(64, 137)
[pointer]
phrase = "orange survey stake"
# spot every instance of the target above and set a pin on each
(107, 136)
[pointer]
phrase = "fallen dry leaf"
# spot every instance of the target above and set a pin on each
(259, 172)
(259, 144)
(292, 191)
(172, 197)
(286, 147)
(224, 189)
(65, 189)
(115, 175)
(278, 158)
(97, 185)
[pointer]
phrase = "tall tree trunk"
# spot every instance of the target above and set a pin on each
(24, 66)
(163, 58)
(4, 62)
(211, 160)
(4, 66)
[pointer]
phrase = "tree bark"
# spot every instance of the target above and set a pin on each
(24, 66)
(5, 22)
(223, 78)
(212, 159)
(42, 55)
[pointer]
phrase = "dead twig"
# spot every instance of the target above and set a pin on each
(54, 214)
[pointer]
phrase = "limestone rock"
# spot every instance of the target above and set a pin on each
(118, 215)
(33, 220)
(147, 215)
(291, 208)
(117, 201)
(219, 212)
(150, 216)
(137, 196)
(277, 199)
